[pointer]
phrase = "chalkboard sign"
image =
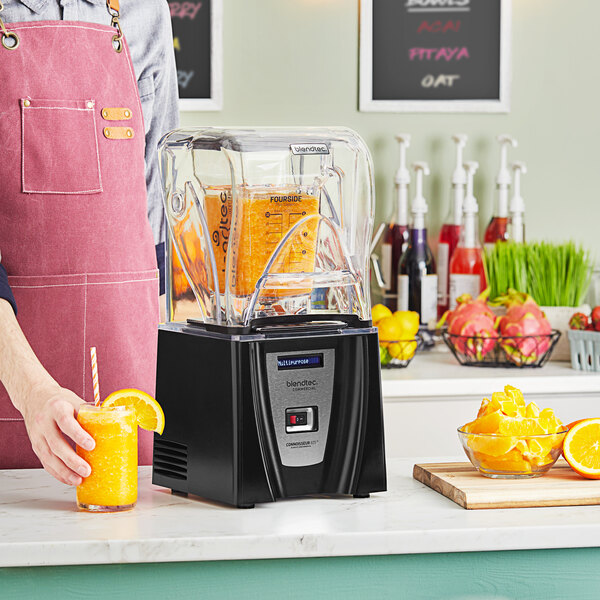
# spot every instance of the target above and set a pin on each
(198, 41)
(435, 55)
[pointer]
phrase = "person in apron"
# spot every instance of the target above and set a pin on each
(75, 237)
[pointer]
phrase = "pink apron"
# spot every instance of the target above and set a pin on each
(74, 232)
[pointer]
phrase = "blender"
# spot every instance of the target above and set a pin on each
(268, 365)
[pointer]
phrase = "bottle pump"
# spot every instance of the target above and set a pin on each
(470, 210)
(402, 181)
(459, 178)
(517, 205)
(497, 228)
(419, 204)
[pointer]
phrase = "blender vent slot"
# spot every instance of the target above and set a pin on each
(169, 444)
(170, 459)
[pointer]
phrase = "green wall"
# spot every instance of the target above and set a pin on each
(295, 62)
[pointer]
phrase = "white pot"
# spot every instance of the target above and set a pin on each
(559, 317)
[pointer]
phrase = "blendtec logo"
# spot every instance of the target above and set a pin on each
(309, 148)
(303, 383)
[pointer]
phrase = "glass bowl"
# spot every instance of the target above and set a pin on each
(502, 456)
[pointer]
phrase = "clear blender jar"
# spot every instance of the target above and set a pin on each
(266, 222)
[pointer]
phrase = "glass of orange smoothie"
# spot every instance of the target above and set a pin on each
(112, 484)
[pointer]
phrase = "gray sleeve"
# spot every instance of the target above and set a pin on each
(163, 117)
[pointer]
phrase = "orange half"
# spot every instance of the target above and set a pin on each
(581, 448)
(149, 413)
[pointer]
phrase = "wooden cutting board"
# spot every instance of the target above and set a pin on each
(461, 482)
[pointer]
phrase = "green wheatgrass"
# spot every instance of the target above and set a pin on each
(553, 274)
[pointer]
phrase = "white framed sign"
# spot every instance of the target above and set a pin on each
(435, 55)
(198, 41)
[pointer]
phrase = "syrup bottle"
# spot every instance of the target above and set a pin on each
(417, 279)
(395, 238)
(497, 230)
(450, 232)
(467, 273)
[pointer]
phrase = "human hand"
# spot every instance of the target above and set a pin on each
(50, 414)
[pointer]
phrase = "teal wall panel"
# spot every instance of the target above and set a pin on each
(515, 575)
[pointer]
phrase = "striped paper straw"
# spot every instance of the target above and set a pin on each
(95, 381)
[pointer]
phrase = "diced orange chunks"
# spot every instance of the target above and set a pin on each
(489, 423)
(511, 461)
(514, 394)
(508, 416)
(492, 446)
(549, 421)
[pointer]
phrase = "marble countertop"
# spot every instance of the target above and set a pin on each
(40, 525)
(436, 374)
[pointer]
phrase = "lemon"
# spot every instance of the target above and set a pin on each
(149, 413)
(409, 321)
(390, 330)
(402, 350)
(378, 312)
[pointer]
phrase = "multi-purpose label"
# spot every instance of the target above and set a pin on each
(463, 284)
(386, 266)
(429, 288)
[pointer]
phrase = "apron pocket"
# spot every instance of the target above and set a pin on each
(59, 147)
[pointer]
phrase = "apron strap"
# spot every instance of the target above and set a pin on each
(114, 11)
(10, 40)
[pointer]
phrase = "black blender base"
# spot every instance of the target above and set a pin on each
(221, 442)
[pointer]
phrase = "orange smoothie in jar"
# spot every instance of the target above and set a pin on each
(112, 484)
(265, 217)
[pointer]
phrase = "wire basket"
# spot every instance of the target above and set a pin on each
(504, 351)
(399, 353)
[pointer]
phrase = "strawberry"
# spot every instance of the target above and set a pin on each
(597, 326)
(589, 327)
(596, 314)
(578, 321)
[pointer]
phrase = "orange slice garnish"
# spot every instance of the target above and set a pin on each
(149, 413)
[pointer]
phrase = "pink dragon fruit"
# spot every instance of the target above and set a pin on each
(523, 319)
(472, 322)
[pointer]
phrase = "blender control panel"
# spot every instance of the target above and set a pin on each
(300, 393)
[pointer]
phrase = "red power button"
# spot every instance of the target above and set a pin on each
(293, 419)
